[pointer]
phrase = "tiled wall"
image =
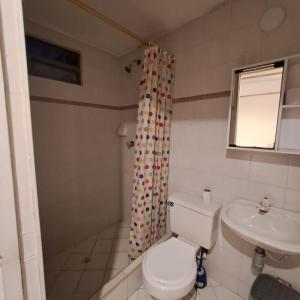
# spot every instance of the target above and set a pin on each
(127, 157)
(200, 161)
(78, 172)
(206, 50)
(77, 150)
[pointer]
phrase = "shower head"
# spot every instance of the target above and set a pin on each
(128, 68)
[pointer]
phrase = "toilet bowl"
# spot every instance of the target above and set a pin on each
(169, 269)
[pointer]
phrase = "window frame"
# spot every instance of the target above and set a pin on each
(67, 48)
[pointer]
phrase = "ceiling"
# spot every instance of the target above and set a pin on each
(150, 19)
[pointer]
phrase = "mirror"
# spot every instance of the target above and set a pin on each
(255, 106)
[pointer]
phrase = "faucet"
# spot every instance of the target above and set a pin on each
(264, 206)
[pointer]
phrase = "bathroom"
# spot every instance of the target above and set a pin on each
(72, 142)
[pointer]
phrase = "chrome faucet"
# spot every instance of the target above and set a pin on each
(264, 206)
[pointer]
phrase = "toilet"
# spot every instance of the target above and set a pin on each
(169, 268)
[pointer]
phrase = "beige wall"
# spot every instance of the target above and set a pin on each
(77, 150)
(206, 51)
(100, 72)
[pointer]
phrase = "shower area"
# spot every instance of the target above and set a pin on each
(84, 107)
(84, 183)
(83, 137)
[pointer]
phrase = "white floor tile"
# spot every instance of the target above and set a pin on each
(224, 294)
(122, 224)
(108, 233)
(206, 294)
(191, 295)
(56, 262)
(60, 296)
(212, 282)
(50, 279)
(81, 296)
(103, 246)
(134, 296)
(143, 295)
(98, 261)
(119, 260)
(90, 282)
(67, 282)
(75, 262)
(70, 274)
(121, 245)
(84, 247)
(122, 232)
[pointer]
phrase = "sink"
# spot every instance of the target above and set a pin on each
(277, 230)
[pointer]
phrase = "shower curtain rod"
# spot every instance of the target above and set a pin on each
(109, 21)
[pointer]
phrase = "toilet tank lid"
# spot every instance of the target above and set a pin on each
(195, 203)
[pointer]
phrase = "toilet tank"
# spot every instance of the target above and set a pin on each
(193, 219)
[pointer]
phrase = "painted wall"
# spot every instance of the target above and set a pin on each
(77, 150)
(206, 50)
(100, 72)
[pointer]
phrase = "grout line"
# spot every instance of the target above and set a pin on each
(84, 268)
(110, 253)
(105, 270)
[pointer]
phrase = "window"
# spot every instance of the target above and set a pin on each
(53, 62)
(256, 106)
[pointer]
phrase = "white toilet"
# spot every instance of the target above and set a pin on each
(169, 269)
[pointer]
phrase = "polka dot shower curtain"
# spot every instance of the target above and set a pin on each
(151, 164)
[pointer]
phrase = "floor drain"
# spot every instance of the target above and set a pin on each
(86, 260)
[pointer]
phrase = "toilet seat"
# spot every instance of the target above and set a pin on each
(169, 269)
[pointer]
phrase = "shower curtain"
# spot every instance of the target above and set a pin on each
(151, 164)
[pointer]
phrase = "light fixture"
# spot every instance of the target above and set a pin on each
(272, 18)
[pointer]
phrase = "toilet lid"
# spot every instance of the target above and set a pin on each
(170, 262)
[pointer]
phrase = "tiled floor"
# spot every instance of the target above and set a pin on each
(213, 291)
(81, 271)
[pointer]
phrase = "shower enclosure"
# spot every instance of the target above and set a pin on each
(84, 108)
(84, 167)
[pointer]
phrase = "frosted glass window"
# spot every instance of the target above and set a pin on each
(257, 107)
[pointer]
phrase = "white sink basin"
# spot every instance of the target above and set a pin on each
(277, 231)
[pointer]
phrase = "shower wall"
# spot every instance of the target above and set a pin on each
(77, 150)
(129, 92)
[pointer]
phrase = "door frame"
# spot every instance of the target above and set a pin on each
(12, 43)
(10, 268)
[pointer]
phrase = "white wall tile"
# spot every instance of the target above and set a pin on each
(294, 174)
(206, 50)
(258, 191)
(292, 200)
(269, 169)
